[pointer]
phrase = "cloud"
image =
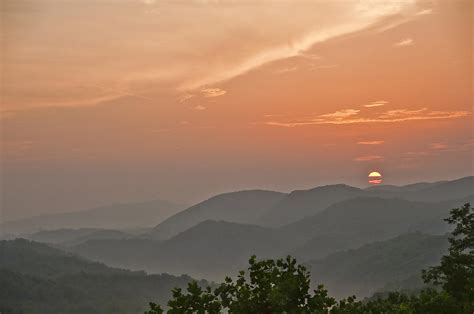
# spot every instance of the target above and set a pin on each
(185, 97)
(310, 56)
(405, 42)
(451, 147)
(286, 70)
(371, 142)
(377, 103)
(122, 92)
(438, 146)
(369, 158)
(194, 55)
(200, 108)
(341, 114)
(425, 12)
(324, 66)
(351, 116)
(213, 92)
(418, 153)
(160, 130)
(358, 16)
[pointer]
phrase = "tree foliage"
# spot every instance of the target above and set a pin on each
(283, 286)
(455, 274)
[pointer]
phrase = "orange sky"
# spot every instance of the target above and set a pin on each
(106, 101)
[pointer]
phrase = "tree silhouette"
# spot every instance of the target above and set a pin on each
(456, 272)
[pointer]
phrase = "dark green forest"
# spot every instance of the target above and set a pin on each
(35, 278)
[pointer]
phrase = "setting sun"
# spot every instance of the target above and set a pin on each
(375, 177)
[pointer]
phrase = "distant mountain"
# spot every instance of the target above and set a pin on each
(241, 207)
(190, 243)
(442, 191)
(354, 222)
(302, 203)
(373, 266)
(214, 249)
(117, 216)
(404, 188)
(67, 237)
(134, 254)
(38, 259)
(37, 279)
(211, 249)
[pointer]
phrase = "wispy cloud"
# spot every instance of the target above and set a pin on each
(324, 66)
(213, 92)
(200, 108)
(418, 153)
(185, 97)
(255, 39)
(120, 92)
(452, 147)
(425, 12)
(160, 130)
(310, 56)
(340, 114)
(438, 146)
(377, 103)
(405, 42)
(370, 142)
(351, 116)
(286, 70)
(365, 14)
(369, 158)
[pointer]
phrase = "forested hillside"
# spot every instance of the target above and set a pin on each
(37, 279)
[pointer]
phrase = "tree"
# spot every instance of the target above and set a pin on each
(280, 286)
(273, 287)
(455, 274)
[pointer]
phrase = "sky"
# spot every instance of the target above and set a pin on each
(108, 101)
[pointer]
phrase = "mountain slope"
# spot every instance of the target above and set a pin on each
(67, 237)
(371, 267)
(35, 278)
(240, 207)
(403, 188)
(443, 191)
(354, 222)
(211, 249)
(302, 203)
(117, 216)
(38, 259)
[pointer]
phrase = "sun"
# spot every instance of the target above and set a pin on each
(375, 177)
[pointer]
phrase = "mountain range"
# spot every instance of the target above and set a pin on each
(116, 216)
(213, 248)
(216, 237)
